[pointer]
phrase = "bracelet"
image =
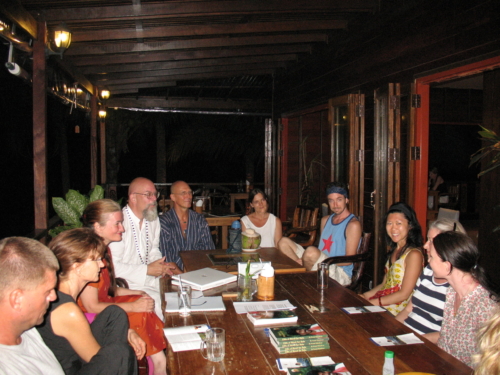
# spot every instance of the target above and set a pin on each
(379, 301)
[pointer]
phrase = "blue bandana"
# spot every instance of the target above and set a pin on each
(338, 190)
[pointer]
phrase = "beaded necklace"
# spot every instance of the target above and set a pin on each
(136, 241)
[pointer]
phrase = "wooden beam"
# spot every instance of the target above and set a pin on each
(138, 58)
(75, 72)
(187, 64)
(40, 131)
(140, 85)
(190, 31)
(206, 8)
(107, 48)
(20, 16)
(102, 134)
(148, 102)
(169, 74)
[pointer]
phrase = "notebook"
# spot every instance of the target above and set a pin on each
(205, 278)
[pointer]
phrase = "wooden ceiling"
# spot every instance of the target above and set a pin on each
(198, 55)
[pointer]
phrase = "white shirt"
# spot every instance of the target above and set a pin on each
(126, 260)
(31, 357)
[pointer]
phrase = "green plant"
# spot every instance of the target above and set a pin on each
(245, 294)
(70, 210)
(491, 137)
(488, 136)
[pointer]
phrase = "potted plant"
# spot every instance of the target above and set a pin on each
(246, 285)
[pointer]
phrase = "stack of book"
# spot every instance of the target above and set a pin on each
(301, 338)
(260, 318)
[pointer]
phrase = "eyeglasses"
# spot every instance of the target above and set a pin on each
(185, 193)
(150, 195)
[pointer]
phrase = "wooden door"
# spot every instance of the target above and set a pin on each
(347, 123)
(386, 166)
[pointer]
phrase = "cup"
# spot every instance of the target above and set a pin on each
(184, 295)
(246, 288)
(322, 276)
(214, 344)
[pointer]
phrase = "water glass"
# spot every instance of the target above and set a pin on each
(246, 288)
(184, 294)
(214, 344)
(322, 276)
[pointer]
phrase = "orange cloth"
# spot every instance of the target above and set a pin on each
(147, 325)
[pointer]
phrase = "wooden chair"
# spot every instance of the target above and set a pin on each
(304, 228)
(359, 260)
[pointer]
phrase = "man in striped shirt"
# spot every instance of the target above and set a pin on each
(182, 228)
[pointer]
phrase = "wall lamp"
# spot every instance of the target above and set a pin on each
(102, 114)
(60, 42)
(105, 94)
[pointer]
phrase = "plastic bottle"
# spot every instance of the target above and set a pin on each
(388, 368)
(234, 238)
(265, 283)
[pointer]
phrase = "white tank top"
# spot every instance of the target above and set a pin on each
(266, 231)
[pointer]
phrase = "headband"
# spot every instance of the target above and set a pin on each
(335, 189)
(401, 207)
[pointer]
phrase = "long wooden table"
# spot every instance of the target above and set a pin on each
(197, 259)
(248, 350)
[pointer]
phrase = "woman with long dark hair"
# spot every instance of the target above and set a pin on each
(405, 262)
(471, 298)
(260, 220)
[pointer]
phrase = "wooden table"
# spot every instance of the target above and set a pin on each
(224, 222)
(235, 196)
(248, 350)
(197, 259)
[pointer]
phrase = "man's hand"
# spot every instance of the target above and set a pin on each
(136, 343)
(157, 268)
(172, 269)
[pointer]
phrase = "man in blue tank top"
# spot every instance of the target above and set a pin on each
(340, 235)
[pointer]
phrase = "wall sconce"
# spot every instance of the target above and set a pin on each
(62, 40)
(3, 25)
(102, 114)
(105, 94)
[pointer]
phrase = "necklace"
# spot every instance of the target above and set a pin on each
(136, 241)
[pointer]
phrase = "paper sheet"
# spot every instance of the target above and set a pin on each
(244, 307)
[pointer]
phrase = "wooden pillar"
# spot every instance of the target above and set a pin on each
(93, 139)
(40, 130)
(102, 134)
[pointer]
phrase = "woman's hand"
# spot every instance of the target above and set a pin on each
(143, 304)
(136, 343)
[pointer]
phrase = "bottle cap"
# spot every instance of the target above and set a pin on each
(236, 224)
(389, 354)
(267, 271)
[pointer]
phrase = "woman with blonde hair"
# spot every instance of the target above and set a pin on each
(105, 218)
(488, 359)
(103, 346)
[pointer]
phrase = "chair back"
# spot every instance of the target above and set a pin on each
(446, 213)
(304, 226)
(359, 267)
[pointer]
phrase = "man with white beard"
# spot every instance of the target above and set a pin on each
(137, 258)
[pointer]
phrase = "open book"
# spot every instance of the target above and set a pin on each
(407, 339)
(185, 338)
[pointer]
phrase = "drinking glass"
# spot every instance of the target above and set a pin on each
(214, 344)
(246, 288)
(322, 276)
(184, 293)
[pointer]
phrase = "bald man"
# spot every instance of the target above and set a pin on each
(182, 228)
(137, 257)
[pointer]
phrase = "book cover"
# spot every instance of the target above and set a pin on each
(363, 309)
(338, 368)
(286, 363)
(298, 333)
(300, 348)
(287, 344)
(259, 318)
